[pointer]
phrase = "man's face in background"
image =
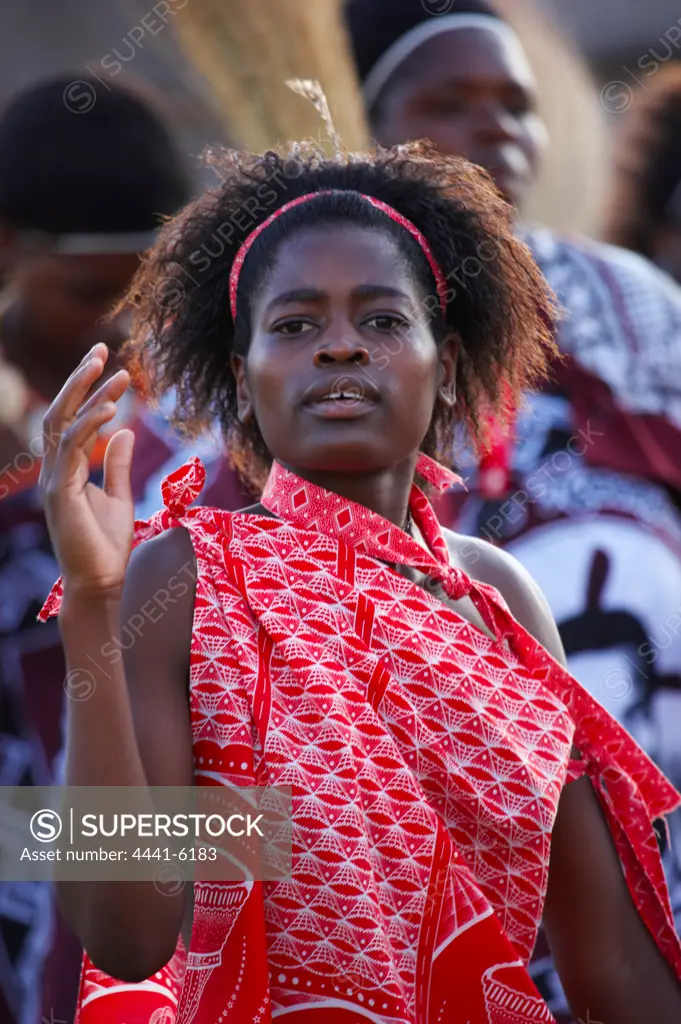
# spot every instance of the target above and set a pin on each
(60, 301)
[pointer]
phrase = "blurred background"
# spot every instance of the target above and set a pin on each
(608, 41)
(41, 38)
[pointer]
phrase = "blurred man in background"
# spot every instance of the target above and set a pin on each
(83, 190)
(586, 491)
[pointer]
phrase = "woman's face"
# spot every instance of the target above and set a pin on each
(473, 94)
(340, 375)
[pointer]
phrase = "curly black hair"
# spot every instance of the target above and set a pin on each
(498, 301)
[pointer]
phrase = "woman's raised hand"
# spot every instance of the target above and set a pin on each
(91, 527)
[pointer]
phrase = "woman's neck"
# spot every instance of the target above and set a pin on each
(384, 491)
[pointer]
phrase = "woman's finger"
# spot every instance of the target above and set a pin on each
(72, 463)
(67, 401)
(98, 352)
(64, 408)
(112, 389)
(56, 421)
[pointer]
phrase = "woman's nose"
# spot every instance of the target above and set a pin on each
(342, 351)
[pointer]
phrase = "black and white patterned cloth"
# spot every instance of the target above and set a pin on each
(604, 546)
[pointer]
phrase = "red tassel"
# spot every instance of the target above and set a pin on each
(495, 465)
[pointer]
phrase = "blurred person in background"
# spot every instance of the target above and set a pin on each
(645, 208)
(585, 491)
(84, 176)
(87, 175)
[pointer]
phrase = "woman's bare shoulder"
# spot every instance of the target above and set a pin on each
(166, 553)
(162, 572)
(485, 563)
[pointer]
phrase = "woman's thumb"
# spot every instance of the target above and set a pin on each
(117, 462)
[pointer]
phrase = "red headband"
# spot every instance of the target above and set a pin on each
(440, 279)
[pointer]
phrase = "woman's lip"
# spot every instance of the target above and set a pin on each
(341, 408)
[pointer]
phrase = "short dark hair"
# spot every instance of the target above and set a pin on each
(80, 157)
(498, 302)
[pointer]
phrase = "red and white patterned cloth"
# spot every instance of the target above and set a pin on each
(426, 761)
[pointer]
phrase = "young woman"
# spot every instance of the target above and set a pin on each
(453, 785)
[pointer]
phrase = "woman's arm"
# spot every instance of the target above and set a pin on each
(608, 962)
(134, 730)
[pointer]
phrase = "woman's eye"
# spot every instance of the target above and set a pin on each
(293, 327)
(386, 322)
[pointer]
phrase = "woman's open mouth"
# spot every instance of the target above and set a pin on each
(342, 400)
